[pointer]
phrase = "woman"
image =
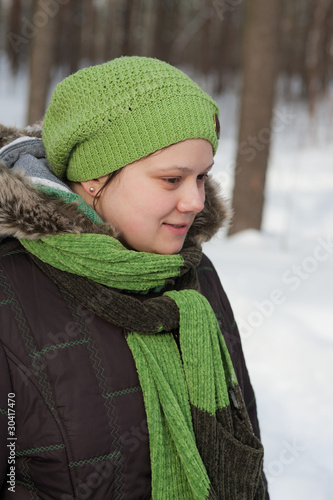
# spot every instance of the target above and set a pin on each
(111, 317)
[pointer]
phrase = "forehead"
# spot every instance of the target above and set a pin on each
(185, 156)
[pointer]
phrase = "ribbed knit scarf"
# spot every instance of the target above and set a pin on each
(201, 441)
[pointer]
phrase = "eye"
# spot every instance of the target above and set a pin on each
(202, 177)
(172, 180)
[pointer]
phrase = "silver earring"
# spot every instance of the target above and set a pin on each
(91, 189)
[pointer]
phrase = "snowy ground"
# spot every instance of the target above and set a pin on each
(280, 284)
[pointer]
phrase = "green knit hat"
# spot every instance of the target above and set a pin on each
(107, 116)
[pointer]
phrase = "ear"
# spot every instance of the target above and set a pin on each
(93, 186)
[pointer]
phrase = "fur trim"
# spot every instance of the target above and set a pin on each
(9, 134)
(27, 212)
(213, 217)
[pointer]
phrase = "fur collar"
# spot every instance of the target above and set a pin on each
(9, 134)
(27, 212)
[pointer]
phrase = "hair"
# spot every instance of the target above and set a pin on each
(111, 176)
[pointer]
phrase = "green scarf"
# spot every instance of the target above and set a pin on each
(105, 260)
(170, 387)
(201, 441)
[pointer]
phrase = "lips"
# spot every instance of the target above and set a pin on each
(177, 229)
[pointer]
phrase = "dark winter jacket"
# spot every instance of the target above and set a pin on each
(69, 387)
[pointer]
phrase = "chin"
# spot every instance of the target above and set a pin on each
(161, 248)
(169, 249)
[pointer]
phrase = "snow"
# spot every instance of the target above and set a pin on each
(13, 95)
(280, 285)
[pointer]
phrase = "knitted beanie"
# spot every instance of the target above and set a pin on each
(107, 116)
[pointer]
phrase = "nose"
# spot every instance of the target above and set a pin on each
(192, 199)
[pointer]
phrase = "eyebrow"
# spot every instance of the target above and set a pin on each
(182, 169)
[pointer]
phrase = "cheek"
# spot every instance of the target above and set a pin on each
(128, 207)
(148, 202)
(136, 206)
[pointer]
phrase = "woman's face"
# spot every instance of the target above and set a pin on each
(153, 201)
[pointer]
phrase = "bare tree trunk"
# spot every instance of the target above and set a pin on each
(136, 27)
(147, 43)
(102, 30)
(222, 53)
(75, 35)
(162, 45)
(41, 59)
(14, 27)
(313, 55)
(109, 30)
(205, 52)
(327, 49)
(260, 61)
(88, 34)
(127, 6)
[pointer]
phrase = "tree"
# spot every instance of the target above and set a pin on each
(316, 52)
(41, 58)
(260, 64)
(14, 27)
